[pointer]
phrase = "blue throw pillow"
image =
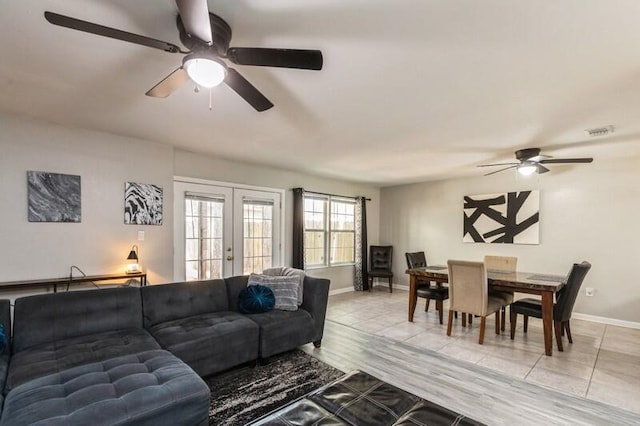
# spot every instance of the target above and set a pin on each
(3, 339)
(256, 299)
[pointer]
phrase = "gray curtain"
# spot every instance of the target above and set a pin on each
(297, 260)
(361, 281)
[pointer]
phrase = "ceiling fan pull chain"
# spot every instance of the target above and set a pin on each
(210, 91)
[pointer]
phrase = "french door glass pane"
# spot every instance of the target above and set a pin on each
(257, 218)
(203, 237)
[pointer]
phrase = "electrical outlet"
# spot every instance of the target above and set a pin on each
(589, 291)
(140, 235)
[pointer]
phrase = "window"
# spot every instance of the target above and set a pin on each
(257, 219)
(203, 237)
(329, 231)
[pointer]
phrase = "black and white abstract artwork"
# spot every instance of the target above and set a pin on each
(509, 218)
(53, 197)
(142, 204)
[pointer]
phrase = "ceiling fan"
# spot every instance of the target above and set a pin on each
(531, 161)
(207, 37)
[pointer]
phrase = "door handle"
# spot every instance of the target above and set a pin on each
(229, 257)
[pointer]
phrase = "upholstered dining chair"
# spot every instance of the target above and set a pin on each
(424, 288)
(562, 309)
(380, 264)
(502, 264)
(469, 293)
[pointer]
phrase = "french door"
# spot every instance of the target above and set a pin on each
(220, 231)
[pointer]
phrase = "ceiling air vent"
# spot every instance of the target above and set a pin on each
(599, 131)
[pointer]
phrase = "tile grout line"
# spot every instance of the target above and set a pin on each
(604, 332)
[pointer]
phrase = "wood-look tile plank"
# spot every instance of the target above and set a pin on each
(481, 393)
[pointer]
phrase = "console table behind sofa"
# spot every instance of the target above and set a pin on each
(68, 281)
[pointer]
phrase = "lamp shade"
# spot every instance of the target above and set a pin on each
(133, 254)
(132, 266)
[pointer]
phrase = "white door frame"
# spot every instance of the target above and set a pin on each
(179, 190)
(178, 254)
(239, 196)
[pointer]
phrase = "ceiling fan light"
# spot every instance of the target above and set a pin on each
(205, 72)
(527, 169)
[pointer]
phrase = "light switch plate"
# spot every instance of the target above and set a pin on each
(140, 235)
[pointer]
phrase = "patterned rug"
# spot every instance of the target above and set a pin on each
(242, 395)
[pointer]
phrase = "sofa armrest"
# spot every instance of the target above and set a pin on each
(316, 296)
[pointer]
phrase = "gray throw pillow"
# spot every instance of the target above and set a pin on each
(288, 272)
(285, 289)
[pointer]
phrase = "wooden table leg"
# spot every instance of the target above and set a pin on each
(547, 321)
(413, 296)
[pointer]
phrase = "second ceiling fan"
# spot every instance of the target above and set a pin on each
(207, 38)
(531, 161)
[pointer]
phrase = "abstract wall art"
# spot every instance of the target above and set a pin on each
(53, 197)
(142, 204)
(508, 218)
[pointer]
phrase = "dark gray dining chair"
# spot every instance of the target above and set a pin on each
(424, 287)
(380, 264)
(562, 309)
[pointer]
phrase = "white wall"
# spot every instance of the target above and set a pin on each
(203, 167)
(101, 242)
(587, 212)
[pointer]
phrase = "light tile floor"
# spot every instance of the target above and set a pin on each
(602, 364)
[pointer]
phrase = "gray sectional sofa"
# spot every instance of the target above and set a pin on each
(136, 355)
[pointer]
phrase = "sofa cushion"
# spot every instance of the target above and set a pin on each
(149, 388)
(285, 289)
(168, 302)
(210, 342)
(49, 358)
(5, 321)
(234, 286)
(281, 331)
(53, 317)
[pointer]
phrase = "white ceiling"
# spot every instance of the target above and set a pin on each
(411, 90)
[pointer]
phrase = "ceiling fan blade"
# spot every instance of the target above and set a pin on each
(169, 84)
(541, 169)
(502, 170)
(497, 164)
(247, 91)
(566, 160)
(195, 18)
(101, 30)
(283, 58)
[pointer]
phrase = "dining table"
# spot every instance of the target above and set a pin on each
(542, 284)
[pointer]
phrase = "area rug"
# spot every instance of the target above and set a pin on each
(242, 395)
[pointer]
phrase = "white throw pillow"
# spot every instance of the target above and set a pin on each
(288, 272)
(285, 289)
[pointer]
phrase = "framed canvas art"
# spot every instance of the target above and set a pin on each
(142, 204)
(53, 197)
(508, 218)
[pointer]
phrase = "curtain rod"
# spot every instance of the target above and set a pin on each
(332, 195)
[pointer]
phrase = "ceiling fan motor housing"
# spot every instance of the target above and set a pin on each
(221, 33)
(525, 154)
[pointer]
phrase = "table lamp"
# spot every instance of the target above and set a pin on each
(133, 267)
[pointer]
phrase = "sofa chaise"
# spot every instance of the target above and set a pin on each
(137, 355)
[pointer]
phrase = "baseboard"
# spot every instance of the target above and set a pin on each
(394, 285)
(340, 291)
(605, 320)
